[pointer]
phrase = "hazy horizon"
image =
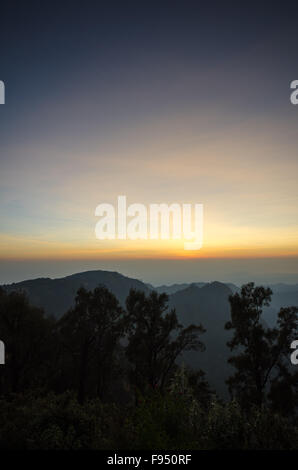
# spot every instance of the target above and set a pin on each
(157, 272)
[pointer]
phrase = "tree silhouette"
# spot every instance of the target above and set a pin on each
(90, 332)
(156, 338)
(263, 359)
(27, 336)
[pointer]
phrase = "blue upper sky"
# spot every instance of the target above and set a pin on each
(161, 101)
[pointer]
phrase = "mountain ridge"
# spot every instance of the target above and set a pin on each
(205, 303)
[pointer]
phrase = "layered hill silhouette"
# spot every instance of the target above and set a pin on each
(198, 303)
(56, 296)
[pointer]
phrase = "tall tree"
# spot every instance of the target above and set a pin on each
(27, 335)
(156, 338)
(263, 353)
(90, 332)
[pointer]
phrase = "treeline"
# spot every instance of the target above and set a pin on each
(107, 377)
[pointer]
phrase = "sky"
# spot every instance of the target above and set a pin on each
(163, 102)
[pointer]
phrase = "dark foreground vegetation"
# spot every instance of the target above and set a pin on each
(104, 377)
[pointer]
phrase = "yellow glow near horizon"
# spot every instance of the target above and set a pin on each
(248, 191)
(128, 249)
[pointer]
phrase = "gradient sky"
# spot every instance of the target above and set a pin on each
(159, 101)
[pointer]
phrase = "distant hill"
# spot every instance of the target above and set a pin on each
(56, 296)
(173, 288)
(283, 296)
(282, 288)
(207, 305)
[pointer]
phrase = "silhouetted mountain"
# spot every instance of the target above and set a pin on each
(233, 287)
(281, 288)
(205, 303)
(283, 296)
(285, 299)
(56, 296)
(197, 303)
(173, 288)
